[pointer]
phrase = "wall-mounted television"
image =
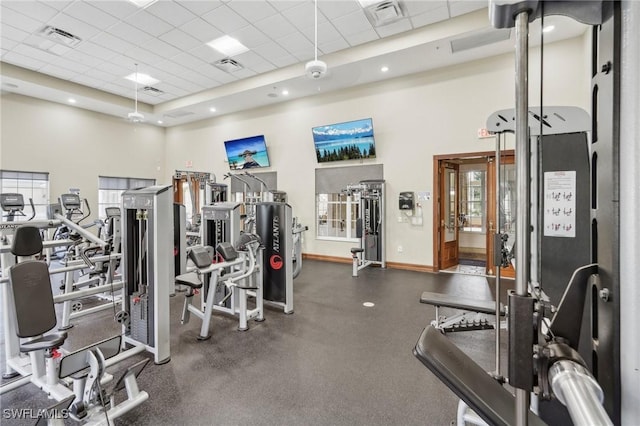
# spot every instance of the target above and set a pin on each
(247, 153)
(350, 140)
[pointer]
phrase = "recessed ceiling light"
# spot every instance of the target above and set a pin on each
(142, 79)
(548, 28)
(228, 46)
(72, 101)
(384, 68)
(160, 121)
(212, 109)
(285, 92)
(143, 3)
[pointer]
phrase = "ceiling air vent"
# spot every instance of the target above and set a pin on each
(151, 91)
(228, 65)
(60, 36)
(384, 13)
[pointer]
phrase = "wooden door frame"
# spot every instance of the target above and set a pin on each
(437, 159)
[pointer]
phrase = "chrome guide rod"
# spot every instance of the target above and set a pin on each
(522, 180)
(498, 230)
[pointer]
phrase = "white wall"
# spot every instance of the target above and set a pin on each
(415, 118)
(76, 146)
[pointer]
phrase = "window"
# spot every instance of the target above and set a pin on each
(337, 214)
(110, 191)
(32, 185)
(472, 201)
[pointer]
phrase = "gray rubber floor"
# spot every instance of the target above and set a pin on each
(332, 362)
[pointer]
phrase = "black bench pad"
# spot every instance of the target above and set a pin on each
(48, 341)
(456, 302)
(190, 279)
(492, 402)
(355, 250)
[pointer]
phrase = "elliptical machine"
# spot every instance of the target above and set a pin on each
(13, 204)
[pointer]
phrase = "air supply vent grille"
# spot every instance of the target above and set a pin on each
(149, 90)
(384, 13)
(60, 36)
(228, 65)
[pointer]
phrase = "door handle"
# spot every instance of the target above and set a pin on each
(491, 228)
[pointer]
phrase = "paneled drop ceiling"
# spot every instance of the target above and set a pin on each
(82, 50)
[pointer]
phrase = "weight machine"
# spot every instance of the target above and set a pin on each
(370, 225)
(563, 183)
(147, 269)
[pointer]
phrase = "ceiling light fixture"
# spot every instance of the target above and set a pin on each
(160, 121)
(316, 69)
(143, 3)
(212, 109)
(228, 46)
(285, 92)
(384, 68)
(548, 28)
(135, 116)
(140, 78)
(72, 101)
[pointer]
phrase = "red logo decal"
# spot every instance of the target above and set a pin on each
(276, 262)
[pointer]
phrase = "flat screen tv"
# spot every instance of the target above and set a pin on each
(350, 140)
(247, 153)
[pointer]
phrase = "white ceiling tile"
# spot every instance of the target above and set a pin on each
(326, 32)
(190, 87)
(23, 61)
(302, 16)
(271, 50)
(219, 75)
(200, 7)
(203, 80)
(249, 59)
(352, 23)
(129, 33)
(112, 42)
(119, 90)
(286, 4)
(59, 72)
(188, 60)
(91, 15)
(431, 17)
(87, 81)
(244, 73)
(202, 30)
(74, 26)
(225, 19)
(171, 89)
(119, 9)
(172, 67)
(362, 37)
(8, 44)
(263, 67)
(250, 36)
(148, 23)
(120, 70)
(34, 53)
(12, 33)
(417, 7)
(296, 44)
(96, 50)
(284, 61)
(180, 39)
(124, 62)
(161, 48)
(71, 65)
(305, 56)
(57, 4)
(333, 46)
(82, 58)
(252, 10)
(275, 26)
(207, 54)
(144, 56)
(19, 20)
(172, 12)
(394, 28)
(337, 8)
(460, 7)
(105, 77)
(36, 10)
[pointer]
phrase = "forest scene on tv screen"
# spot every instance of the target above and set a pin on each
(247, 153)
(344, 141)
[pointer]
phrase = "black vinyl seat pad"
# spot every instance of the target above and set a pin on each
(456, 302)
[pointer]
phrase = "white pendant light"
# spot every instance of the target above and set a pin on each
(136, 117)
(316, 69)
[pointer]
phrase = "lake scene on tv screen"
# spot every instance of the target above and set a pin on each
(344, 141)
(247, 153)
